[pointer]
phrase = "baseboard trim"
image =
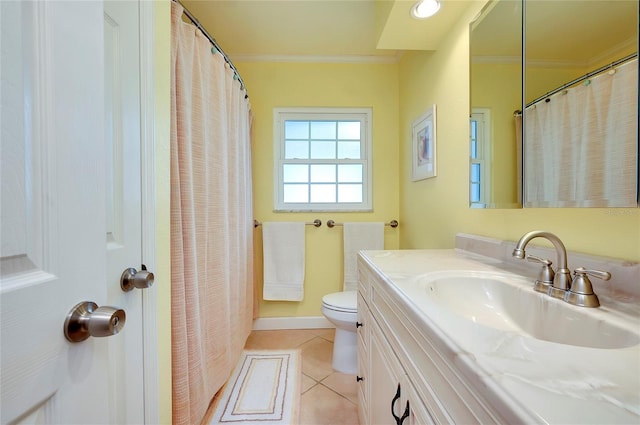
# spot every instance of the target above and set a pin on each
(307, 322)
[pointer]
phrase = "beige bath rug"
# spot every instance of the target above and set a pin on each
(263, 389)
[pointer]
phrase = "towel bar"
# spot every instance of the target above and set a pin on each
(315, 223)
(392, 223)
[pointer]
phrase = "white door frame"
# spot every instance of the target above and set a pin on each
(148, 198)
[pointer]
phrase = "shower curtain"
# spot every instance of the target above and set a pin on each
(581, 145)
(211, 221)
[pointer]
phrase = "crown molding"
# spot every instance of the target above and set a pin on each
(318, 58)
(496, 59)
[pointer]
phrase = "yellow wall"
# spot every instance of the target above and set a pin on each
(497, 87)
(541, 78)
(273, 85)
(434, 210)
(162, 53)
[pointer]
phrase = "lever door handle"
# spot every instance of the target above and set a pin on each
(131, 278)
(87, 319)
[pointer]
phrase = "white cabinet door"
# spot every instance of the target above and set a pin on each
(418, 412)
(364, 324)
(385, 380)
(54, 215)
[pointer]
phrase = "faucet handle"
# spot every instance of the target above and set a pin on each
(594, 273)
(581, 292)
(545, 279)
(534, 259)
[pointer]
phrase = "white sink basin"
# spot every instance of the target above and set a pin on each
(508, 302)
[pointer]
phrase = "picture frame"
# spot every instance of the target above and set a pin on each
(423, 145)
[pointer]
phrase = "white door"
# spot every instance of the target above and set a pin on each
(61, 211)
(123, 203)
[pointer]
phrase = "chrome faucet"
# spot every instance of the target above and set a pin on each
(562, 278)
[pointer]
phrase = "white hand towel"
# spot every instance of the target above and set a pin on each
(283, 251)
(358, 237)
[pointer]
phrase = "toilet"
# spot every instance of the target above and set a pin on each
(340, 308)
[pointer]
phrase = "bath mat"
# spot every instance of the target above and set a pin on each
(263, 389)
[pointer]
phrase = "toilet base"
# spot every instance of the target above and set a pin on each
(345, 352)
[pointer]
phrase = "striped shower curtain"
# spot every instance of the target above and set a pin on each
(581, 145)
(211, 221)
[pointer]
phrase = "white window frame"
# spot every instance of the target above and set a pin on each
(280, 115)
(482, 116)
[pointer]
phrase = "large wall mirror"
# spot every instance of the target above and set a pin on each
(580, 137)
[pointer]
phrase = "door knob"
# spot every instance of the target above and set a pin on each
(131, 278)
(87, 319)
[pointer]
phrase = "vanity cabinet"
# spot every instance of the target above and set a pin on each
(393, 396)
(400, 368)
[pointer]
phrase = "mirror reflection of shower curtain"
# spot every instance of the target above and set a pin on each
(518, 123)
(581, 145)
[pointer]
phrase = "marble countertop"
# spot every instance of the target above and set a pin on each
(526, 379)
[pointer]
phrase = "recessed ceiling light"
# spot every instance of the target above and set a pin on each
(425, 8)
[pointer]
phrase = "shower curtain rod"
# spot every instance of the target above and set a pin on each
(584, 77)
(215, 45)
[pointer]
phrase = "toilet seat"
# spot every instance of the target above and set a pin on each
(346, 301)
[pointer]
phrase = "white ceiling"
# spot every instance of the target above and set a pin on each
(329, 29)
(379, 30)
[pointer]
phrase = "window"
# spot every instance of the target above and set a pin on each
(322, 159)
(479, 158)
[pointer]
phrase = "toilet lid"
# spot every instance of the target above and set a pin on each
(342, 301)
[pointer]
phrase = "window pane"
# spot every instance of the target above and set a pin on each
(323, 173)
(296, 193)
(475, 172)
(323, 130)
(474, 129)
(295, 173)
(323, 150)
(296, 149)
(474, 149)
(323, 193)
(349, 193)
(323, 155)
(351, 173)
(349, 130)
(296, 129)
(475, 192)
(349, 150)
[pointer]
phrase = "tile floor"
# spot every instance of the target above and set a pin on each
(327, 397)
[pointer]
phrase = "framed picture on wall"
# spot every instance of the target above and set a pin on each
(423, 145)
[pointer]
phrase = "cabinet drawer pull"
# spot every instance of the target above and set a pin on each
(359, 378)
(358, 324)
(405, 415)
(393, 402)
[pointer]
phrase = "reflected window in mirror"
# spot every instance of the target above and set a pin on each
(480, 158)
